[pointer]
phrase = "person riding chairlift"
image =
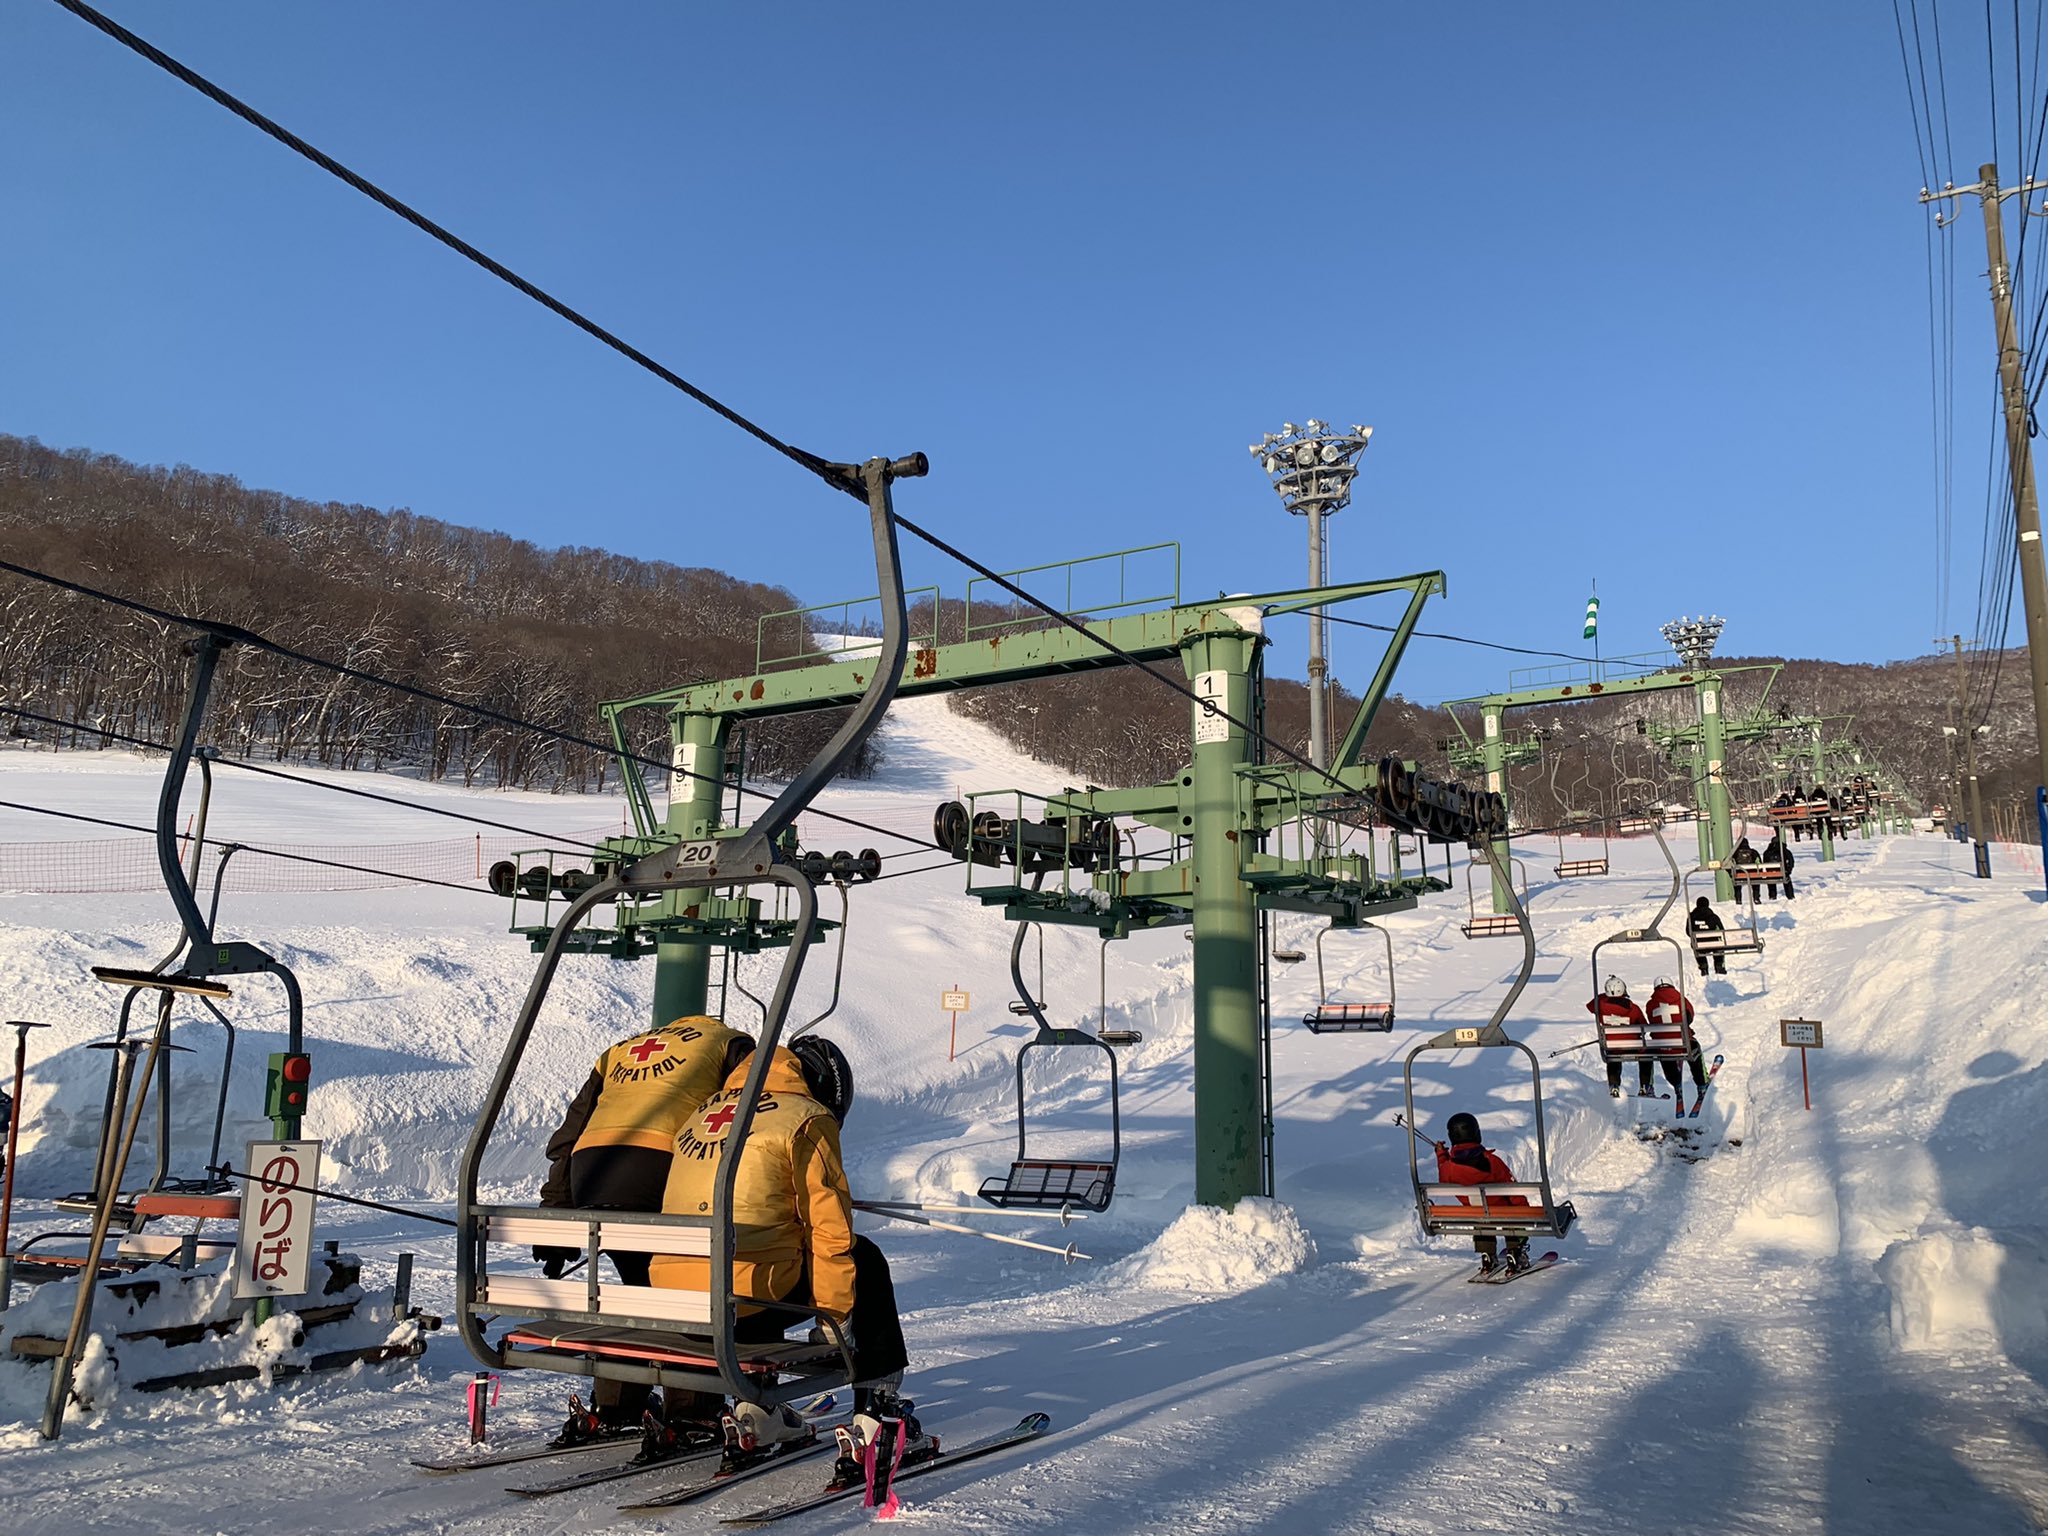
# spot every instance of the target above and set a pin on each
(793, 1212)
(1622, 1027)
(1465, 1161)
(1670, 1014)
(1704, 919)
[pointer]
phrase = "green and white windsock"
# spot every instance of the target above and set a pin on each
(1592, 617)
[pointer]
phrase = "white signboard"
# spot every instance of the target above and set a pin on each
(685, 765)
(274, 1253)
(953, 1002)
(1804, 1032)
(1213, 689)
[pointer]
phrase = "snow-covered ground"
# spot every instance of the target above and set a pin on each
(1839, 1324)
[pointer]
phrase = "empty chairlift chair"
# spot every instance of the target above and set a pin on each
(1579, 869)
(1492, 925)
(1525, 1208)
(1330, 1017)
(1048, 1183)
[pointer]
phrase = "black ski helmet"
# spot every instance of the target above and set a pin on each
(1463, 1129)
(828, 1076)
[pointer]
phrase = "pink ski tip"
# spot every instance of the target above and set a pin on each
(888, 1511)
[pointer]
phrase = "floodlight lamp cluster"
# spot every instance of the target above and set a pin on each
(1312, 465)
(1694, 639)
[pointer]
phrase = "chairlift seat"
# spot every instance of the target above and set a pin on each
(653, 1347)
(1755, 874)
(1492, 925)
(1037, 1184)
(166, 1245)
(1120, 1037)
(1720, 941)
(1577, 869)
(1500, 1210)
(201, 1207)
(1349, 1018)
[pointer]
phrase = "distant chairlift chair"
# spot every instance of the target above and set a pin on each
(1612, 1047)
(1579, 869)
(1523, 1209)
(1328, 1018)
(1492, 925)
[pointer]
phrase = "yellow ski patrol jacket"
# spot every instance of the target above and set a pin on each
(792, 1211)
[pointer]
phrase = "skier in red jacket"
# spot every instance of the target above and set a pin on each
(1670, 1033)
(1465, 1161)
(1622, 1028)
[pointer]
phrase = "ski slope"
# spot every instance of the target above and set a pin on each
(1838, 1324)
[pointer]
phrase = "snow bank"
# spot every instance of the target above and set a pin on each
(1968, 1288)
(1216, 1252)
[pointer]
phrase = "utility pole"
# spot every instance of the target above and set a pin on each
(2019, 456)
(1963, 728)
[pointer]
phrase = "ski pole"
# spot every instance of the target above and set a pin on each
(1409, 1126)
(1068, 1253)
(1562, 1050)
(1066, 1213)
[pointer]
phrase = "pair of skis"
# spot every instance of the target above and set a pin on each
(882, 1498)
(1501, 1274)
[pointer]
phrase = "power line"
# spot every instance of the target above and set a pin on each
(1430, 634)
(269, 853)
(295, 778)
(831, 474)
(237, 634)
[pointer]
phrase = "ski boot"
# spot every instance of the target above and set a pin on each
(1518, 1258)
(754, 1434)
(1614, 1092)
(663, 1441)
(585, 1426)
(848, 1470)
(1485, 1264)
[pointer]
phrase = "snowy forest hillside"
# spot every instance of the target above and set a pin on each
(1834, 1320)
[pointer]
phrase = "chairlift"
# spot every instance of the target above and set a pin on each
(677, 1339)
(1493, 925)
(1103, 1032)
(1342, 1018)
(1613, 1049)
(1523, 1209)
(1738, 940)
(1578, 869)
(1045, 1183)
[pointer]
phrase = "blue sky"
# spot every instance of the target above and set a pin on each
(1629, 292)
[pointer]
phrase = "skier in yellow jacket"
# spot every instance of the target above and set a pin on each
(793, 1214)
(612, 1152)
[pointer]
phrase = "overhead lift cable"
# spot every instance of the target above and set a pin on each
(107, 734)
(838, 476)
(268, 853)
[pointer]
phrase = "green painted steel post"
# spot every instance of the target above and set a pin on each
(1820, 776)
(1226, 1002)
(682, 967)
(1702, 823)
(1713, 747)
(1494, 754)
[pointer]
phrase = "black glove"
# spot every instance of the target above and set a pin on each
(553, 1261)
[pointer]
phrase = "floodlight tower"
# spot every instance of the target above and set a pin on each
(1694, 641)
(1312, 467)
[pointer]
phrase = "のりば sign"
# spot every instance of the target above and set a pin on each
(273, 1253)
